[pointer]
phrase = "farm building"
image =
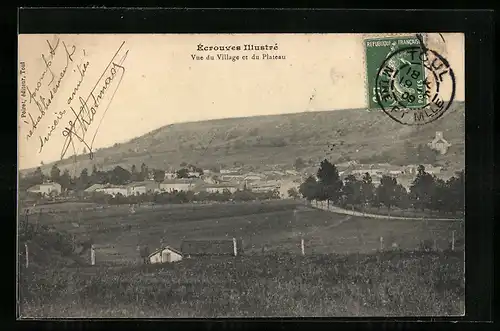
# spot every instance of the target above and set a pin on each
(212, 247)
(114, 190)
(46, 188)
(137, 188)
(93, 188)
(165, 254)
(219, 188)
(181, 184)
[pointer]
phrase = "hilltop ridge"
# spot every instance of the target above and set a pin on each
(339, 135)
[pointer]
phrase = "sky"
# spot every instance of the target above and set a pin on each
(154, 81)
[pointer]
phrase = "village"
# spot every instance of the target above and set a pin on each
(280, 178)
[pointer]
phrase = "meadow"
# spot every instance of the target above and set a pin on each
(394, 283)
(344, 272)
(272, 226)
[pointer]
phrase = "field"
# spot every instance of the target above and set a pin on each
(381, 284)
(343, 273)
(276, 226)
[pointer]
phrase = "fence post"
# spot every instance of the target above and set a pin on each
(435, 245)
(302, 246)
(453, 240)
(27, 255)
(235, 250)
(381, 243)
(92, 254)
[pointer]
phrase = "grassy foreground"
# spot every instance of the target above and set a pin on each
(392, 283)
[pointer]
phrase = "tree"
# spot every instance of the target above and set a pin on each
(55, 173)
(387, 191)
(65, 180)
(351, 191)
(38, 176)
(402, 198)
(299, 164)
(329, 182)
(367, 189)
(421, 189)
(159, 175)
(439, 195)
(134, 175)
(119, 176)
(182, 173)
(456, 192)
(293, 193)
(309, 188)
(144, 174)
(84, 180)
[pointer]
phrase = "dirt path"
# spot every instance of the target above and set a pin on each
(334, 209)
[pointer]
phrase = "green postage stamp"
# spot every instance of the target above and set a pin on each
(409, 84)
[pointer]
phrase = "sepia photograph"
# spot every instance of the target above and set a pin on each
(241, 175)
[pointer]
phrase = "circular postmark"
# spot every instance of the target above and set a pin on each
(415, 85)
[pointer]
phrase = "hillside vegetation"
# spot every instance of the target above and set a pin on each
(338, 135)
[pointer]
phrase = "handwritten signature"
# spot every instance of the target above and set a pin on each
(79, 125)
(43, 102)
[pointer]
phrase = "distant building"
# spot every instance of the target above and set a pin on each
(439, 143)
(252, 176)
(228, 171)
(46, 188)
(180, 184)
(137, 188)
(114, 190)
(265, 186)
(209, 179)
(170, 175)
(237, 177)
(219, 188)
(191, 248)
(165, 254)
(93, 188)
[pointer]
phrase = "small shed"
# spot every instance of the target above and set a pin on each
(212, 247)
(165, 254)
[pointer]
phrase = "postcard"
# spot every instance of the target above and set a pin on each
(241, 175)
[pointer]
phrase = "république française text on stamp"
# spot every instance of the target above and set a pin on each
(411, 83)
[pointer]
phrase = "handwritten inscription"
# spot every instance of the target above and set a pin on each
(77, 127)
(44, 100)
(65, 64)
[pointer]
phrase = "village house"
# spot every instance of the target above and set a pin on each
(219, 188)
(145, 187)
(165, 254)
(170, 175)
(194, 174)
(265, 186)
(180, 184)
(252, 176)
(46, 188)
(439, 143)
(233, 177)
(191, 248)
(93, 188)
(229, 171)
(114, 190)
(209, 179)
